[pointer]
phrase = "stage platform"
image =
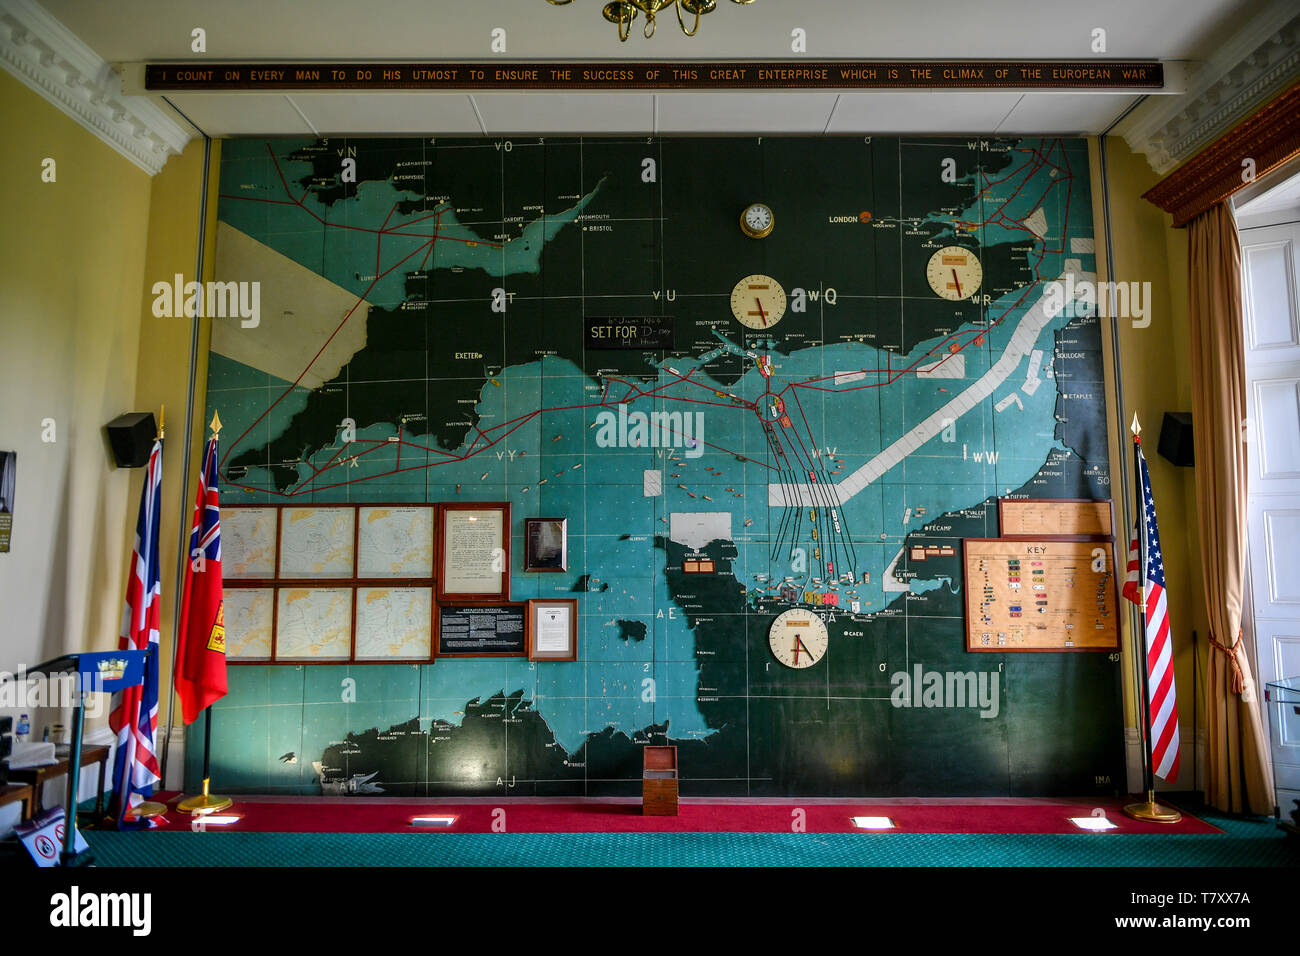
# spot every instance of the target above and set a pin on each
(324, 831)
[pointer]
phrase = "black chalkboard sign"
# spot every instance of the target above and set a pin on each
(480, 630)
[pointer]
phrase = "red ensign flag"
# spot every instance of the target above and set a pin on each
(201, 638)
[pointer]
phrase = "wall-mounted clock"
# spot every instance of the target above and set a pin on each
(757, 220)
(758, 302)
(954, 273)
(798, 638)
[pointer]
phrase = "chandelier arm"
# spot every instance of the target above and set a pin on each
(682, 23)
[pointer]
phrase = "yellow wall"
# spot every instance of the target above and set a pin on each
(1154, 365)
(72, 256)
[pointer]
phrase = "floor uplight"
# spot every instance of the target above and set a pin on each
(873, 823)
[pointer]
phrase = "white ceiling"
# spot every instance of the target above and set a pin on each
(132, 31)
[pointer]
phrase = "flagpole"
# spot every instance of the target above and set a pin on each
(1149, 811)
(152, 808)
(204, 802)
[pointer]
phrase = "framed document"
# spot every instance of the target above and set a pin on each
(249, 616)
(474, 551)
(546, 544)
(481, 630)
(313, 624)
(317, 542)
(248, 537)
(395, 541)
(552, 629)
(394, 624)
(1041, 595)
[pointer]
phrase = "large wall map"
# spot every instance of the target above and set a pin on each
(423, 336)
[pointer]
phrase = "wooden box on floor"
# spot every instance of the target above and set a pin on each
(659, 782)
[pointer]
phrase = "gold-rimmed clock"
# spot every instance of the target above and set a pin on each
(758, 302)
(757, 220)
(955, 273)
(798, 638)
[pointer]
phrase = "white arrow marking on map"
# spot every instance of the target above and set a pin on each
(1021, 344)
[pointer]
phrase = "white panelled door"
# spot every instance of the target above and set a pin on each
(1271, 272)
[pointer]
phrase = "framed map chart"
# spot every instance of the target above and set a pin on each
(395, 542)
(250, 623)
(394, 624)
(317, 542)
(248, 537)
(313, 624)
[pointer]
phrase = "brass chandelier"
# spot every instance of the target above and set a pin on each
(623, 12)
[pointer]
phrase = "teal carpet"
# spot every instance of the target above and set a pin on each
(1243, 843)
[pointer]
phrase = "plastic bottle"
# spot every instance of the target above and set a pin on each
(24, 729)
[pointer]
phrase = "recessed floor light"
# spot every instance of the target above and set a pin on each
(873, 823)
(433, 820)
(1093, 823)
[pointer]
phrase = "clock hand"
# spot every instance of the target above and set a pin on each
(761, 314)
(956, 280)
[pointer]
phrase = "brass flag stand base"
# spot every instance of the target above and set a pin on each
(149, 808)
(204, 803)
(1152, 812)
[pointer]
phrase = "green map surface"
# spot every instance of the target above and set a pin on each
(807, 460)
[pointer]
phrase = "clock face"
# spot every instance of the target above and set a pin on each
(758, 302)
(757, 220)
(798, 638)
(954, 273)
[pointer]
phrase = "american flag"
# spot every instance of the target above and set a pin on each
(1162, 704)
(134, 718)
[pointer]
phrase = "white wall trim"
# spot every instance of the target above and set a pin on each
(46, 56)
(1248, 69)
(1191, 753)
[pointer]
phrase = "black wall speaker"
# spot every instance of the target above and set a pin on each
(1176, 438)
(131, 436)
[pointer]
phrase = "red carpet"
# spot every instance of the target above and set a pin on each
(370, 815)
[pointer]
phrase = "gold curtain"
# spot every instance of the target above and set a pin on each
(1239, 776)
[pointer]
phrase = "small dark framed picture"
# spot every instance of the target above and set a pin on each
(546, 544)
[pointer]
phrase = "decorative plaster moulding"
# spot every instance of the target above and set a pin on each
(46, 56)
(1248, 69)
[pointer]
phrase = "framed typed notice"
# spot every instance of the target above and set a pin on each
(546, 544)
(8, 477)
(481, 630)
(474, 551)
(553, 629)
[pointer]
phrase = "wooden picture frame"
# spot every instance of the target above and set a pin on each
(1013, 511)
(1059, 627)
(459, 564)
(542, 631)
(541, 553)
(361, 583)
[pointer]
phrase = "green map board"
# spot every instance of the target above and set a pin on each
(423, 335)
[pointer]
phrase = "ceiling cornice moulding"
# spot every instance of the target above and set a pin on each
(1249, 69)
(50, 59)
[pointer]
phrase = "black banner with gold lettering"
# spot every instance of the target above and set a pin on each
(837, 75)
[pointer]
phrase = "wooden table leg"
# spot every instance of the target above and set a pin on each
(99, 796)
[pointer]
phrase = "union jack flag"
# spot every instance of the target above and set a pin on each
(1145, 587)
(134, 718)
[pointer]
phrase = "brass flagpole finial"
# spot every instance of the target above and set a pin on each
(162, 417)
(1135, 428)
(215, 424)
